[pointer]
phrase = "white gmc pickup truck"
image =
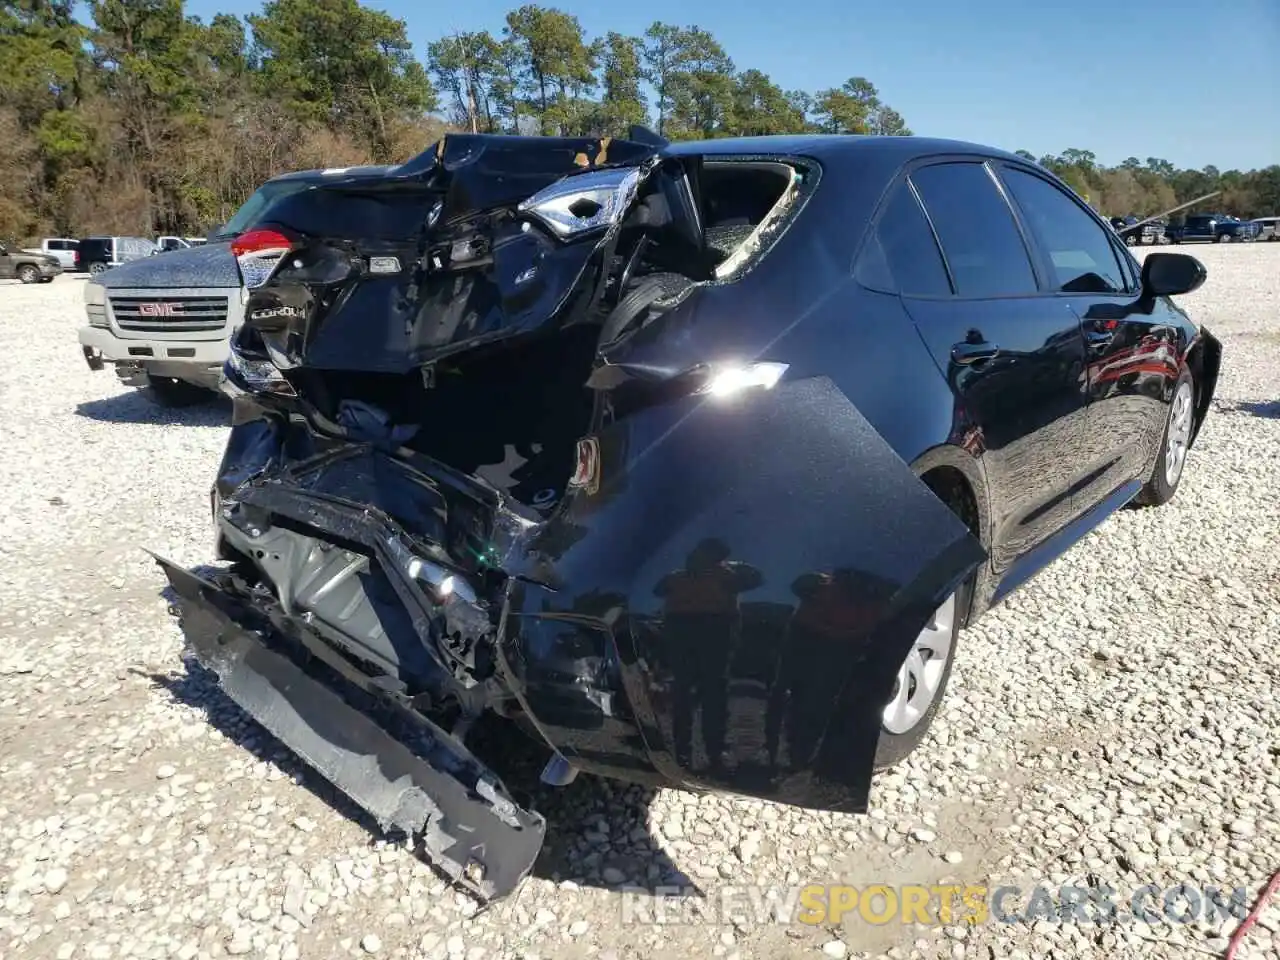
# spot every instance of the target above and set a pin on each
(165, 322)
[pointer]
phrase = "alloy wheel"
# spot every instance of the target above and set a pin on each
(920, 676)
(1178, 436)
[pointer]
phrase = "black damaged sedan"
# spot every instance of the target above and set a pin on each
(689, 460)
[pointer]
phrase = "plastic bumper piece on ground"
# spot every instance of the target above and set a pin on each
(470, 828)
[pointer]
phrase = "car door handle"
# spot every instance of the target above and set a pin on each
(968, 353)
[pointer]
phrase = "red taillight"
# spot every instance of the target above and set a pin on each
(260, 241)
(258, 252)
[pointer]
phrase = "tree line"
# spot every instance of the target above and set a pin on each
(1151, 186)
(144, 119)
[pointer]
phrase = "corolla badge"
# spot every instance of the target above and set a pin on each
(281, 311)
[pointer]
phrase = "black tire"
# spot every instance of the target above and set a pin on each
(96, 268)
(28, 273)
(171, 392)
(1224, 238)
(893, 748)
(1159, 489)
(46, 279)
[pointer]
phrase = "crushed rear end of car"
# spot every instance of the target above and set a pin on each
(500, 449)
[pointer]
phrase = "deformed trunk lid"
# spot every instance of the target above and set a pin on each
(471, 268)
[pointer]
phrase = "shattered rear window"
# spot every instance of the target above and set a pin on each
(741, 221)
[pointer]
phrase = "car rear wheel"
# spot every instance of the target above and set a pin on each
(171, 392)
(1171, 459)
(921, 682)
(28, 274)
(97, 268)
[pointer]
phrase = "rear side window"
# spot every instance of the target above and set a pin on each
(979, 236)
(1080, 253)
(900, 255)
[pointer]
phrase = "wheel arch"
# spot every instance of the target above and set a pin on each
(958, 479)
(1204, 360)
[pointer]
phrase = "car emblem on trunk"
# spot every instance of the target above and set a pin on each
(160, 309)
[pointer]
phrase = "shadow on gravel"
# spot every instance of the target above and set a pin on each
(136, 406)
(1268, 410)
(594, 826)
(198, 688)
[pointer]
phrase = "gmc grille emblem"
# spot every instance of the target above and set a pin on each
(160, 309)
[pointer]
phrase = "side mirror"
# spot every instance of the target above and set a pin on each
(1169, 274)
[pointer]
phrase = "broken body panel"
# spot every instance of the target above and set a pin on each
(519, 439)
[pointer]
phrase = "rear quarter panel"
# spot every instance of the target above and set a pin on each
(784, 488)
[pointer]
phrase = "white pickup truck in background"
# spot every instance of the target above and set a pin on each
(62, 249)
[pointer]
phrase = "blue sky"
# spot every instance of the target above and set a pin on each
(1195, 82)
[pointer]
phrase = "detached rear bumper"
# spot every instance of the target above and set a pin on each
(439, 791)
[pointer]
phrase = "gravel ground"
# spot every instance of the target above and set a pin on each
(1126, 736)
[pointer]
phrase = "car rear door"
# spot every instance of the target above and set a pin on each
(1013, 357)
(1133, 350)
